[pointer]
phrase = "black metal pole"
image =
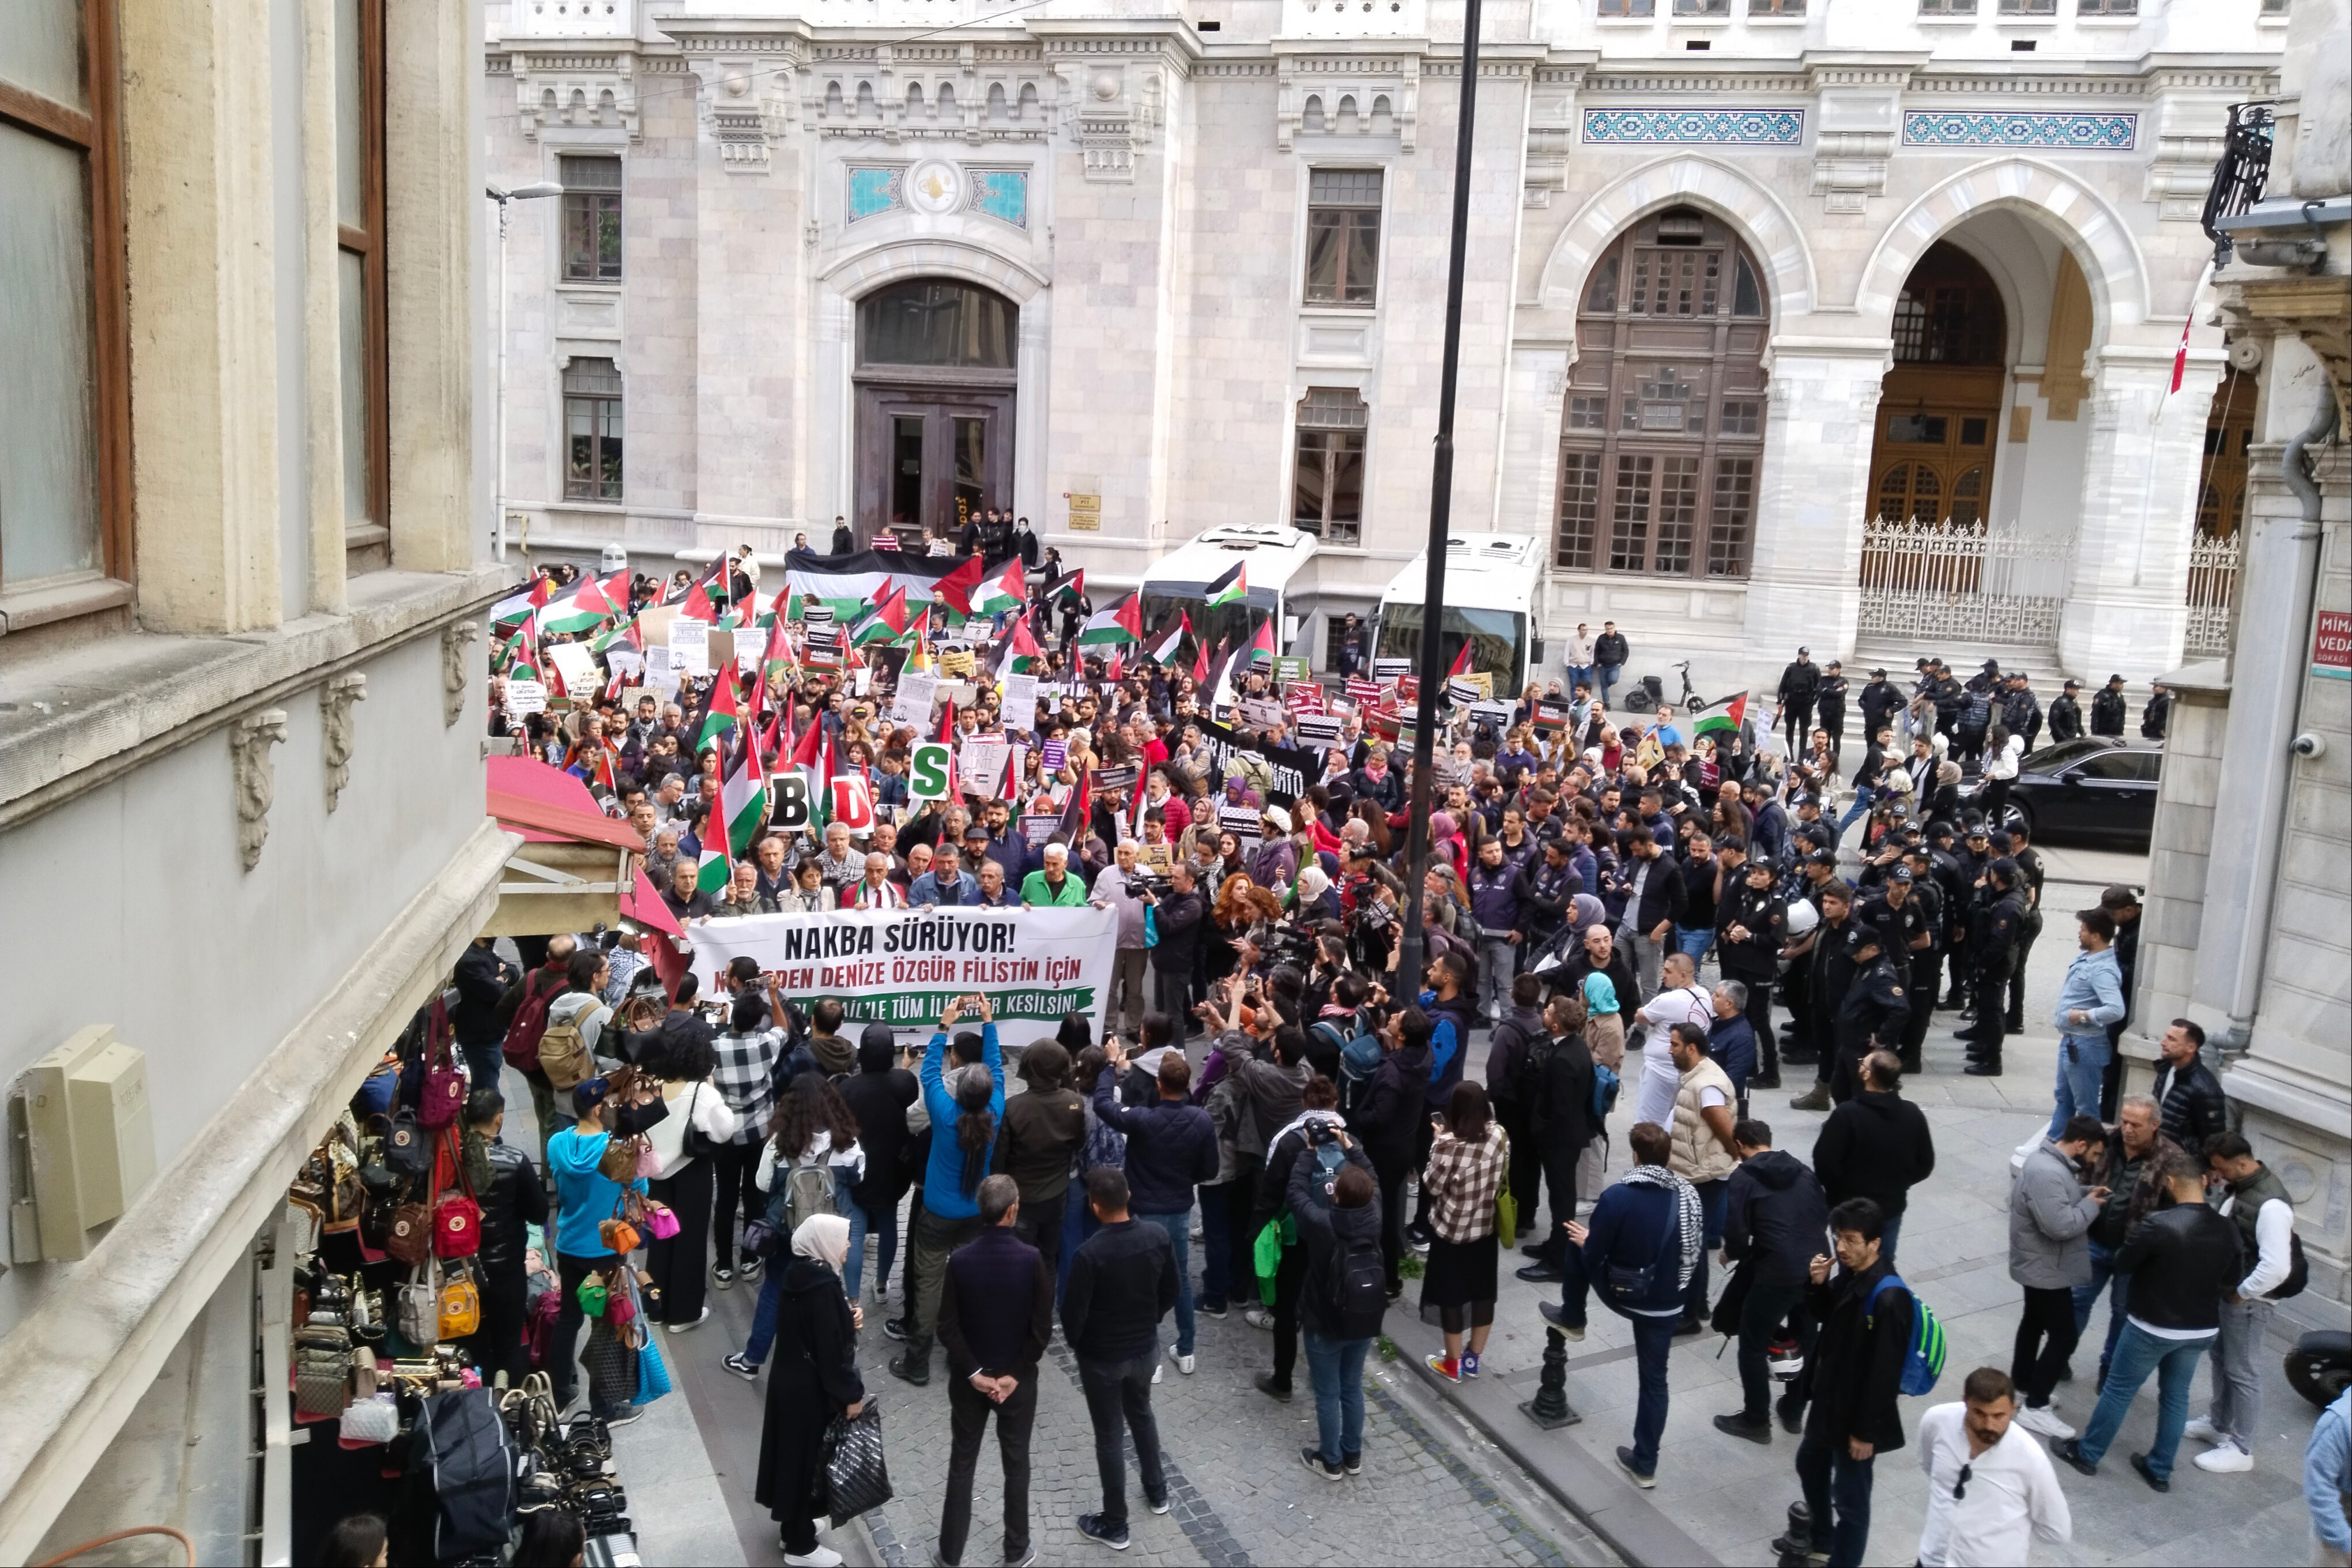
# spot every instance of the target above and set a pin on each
(1440, 508)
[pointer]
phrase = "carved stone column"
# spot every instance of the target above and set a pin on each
(257, 777)
(455, 639)
(335, 699)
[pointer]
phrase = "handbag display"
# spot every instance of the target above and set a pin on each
(652, 1377)
(410, 1239)
(457, 1226)
(407, 1151)
(322, 1368)
(610, 1357)
(364, 1375)
(420, 1309)
(372, 1418)
(619, 1237)
(661, 1221)
(593, 1296)
(461, 1305)
(619, 1160)
(444, 1094)
(855, 1478)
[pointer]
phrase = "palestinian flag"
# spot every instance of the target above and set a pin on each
(579, 612)
(1166, 652)
(1720, 720)
(1018, 652)
(716, 870)
(1073, 584)
(697, 606)
(1076, 815)
(520, 606)
(887, 622)
(743, 791)
(955, 589)
(852, 585)
(1200, 663)
(522, 654)
(1232, 588)
(1115, 668)
(725, 713)
(1461, 665)
(1123, 622)
(778, 656)
(1262, 643)
(622, 634)
(1009, 590)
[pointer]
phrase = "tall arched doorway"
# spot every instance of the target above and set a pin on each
(935, 379)
(1931, 461)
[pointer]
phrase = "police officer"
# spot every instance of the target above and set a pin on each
(2020, 713)
(1879, 702)
(1921, 908)
(2066, 715)
(1752, 924)
(1876, 1003)
(1995, 922)
(2015, 844)
(1970, 857)
(1833, 963)
(1829, 703)
(1800, 683)
(2108, 709)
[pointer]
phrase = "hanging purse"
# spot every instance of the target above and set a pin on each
(458, 1218)
(620, 1298)
(619, 1160)
(407, 1153)
(372, 1418)
(444, 1094)
(410, 1239)
(461, 1305)
(593, 1296)
(650, 1294)
(420, 1309)
(619, 1237)
(661, 1221)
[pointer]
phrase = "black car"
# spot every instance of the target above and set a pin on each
(2093, 788)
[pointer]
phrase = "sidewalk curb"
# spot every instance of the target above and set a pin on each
(1633, 1527)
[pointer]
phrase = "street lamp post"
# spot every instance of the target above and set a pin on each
(533, 192)
(1440, 506)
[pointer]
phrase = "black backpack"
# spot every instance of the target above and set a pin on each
(1527, 1081)
(1358, 1295)
(461, 1456)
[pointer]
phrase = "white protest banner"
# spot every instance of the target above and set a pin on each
(526, 697)
(1320, 729)
(982, 762)
(1020, 707)
(577, 667)
(901, 967)
(927, 767)
(912, 705)
(625, 660)
(1260, 714)
(661, 675)
(1496, 713)
(689, 646)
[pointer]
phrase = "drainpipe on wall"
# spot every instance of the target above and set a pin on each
(2254, 942)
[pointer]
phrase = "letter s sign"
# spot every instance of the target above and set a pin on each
(926, 770)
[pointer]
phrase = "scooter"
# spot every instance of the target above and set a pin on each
(2320, 1366)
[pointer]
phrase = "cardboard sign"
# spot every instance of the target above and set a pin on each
(653, 622)
(719, 647)
(1036, 830)
(1118, 778)
(1019, 702)
(1303, 699)
(1363, 691)
(1498, 714)
(1238, 820)
(1289, 670)
(983, 760)
(689, 646)
(1388, 671)
(1322, 729)
(526, 697)
(576, 665)
(958, 662)
(788, 801)
(912, 705)
(1260, 714)
(928, 764)
(1408, 689)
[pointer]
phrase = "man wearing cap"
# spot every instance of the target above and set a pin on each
(1995, 922)
(1880, 702)
(1801, 685)
(2152, 717)
(2122, 901)
(1829, 706)
(1876, 1003)
(1832, 970)
(1274, 862)
(2108, 709)
(2066, 715)
(2021, 714)
(1750, 927)
(2015, 844)
(1909, 916)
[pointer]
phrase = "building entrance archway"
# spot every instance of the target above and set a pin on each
(936, 380)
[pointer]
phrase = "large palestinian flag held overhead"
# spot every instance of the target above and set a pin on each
(852, 585)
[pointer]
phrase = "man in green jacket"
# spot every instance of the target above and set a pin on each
(1053, 888)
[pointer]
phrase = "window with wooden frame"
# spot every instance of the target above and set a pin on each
(1663, 421)
(1343, 235)
(359, 279)
(2229, 435)
(1328, 486)
(591, 219)
(592, 430)
(1932, 453)
(64, 414)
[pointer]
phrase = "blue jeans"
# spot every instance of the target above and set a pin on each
(2103, 1278)
(1337, 1367)
(1580, 675)
(1608, 674)
(1652, 1339)
(881, 1223)
(1690, 941)
(1888, 1237)
(1854, 813)
(2082, 1062)
(1216, 1246)
(1837, 1494)
(2174, 1362)
(763, 1316)
(1179, 1229)
(1079, 1223)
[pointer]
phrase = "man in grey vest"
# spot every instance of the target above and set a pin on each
(2249, 1197)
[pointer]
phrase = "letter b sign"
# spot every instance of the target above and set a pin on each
(791, 800)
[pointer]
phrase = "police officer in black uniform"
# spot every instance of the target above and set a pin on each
(2066, 715)
(1970, 857)
(1829, 703)
(1926, 959)
(2108, 709)
(1880, 702)
(1751, 924)
(2014, 844)
(1907, 913)
(1995, 922)
(1832, 964)
(1877, 1000)
(2021, 713)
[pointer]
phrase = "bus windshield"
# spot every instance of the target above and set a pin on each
(1232, 622)
(1498, 638)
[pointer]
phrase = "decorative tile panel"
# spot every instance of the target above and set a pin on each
(876, 191)
(2068, 133)
(1001, 194)
(1692, 126)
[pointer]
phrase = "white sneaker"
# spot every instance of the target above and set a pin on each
(2225, 1458)
(1156, 1370)
(1184, 1364)
(1258, 1317)
(689, 1328)
(2204, 1431)
(823, 1557)
(2044, 1420)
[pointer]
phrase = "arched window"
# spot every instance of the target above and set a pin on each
(940, 322)
(1948, 313)
(1664, 423)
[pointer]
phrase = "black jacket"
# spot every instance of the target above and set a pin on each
(1324, 1228)
(1609, 647)
(1176, 918)
(1765, 917)
(996, 1307)
(2193, 1106)
(1620, 970)
(2108, 710)
(1122, 1282)
(1171, 1147)
(1800, 683)
(1561, 1114)
(1879, 703)
(482, 977)
(1774, 1217)
(2182, 1261)
(1398, 1102)
(2065, 718)
(1034, 1139)
(1856, 1370)
(515, 1201)
(1519, 1028)
(1661, 893)
(880, 1102)
(1875, 1146)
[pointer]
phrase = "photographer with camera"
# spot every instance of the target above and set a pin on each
(1176, 916)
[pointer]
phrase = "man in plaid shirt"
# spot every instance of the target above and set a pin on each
(745, 1075)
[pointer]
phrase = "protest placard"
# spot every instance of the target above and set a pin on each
(654, 623)
(1036, 829)
(1288, 669)
(912, 704)
(1054, 755)
(1498, 714)
(1238, 819)
(525, 697)
(982, 762)
(1390, 670)
(661, 674)
(689, 646)
(718, 647)
(577, 665)
(1260, 714)
(625, 662)
(1020, 709)
(1320, 729)
(928, 764)
(1109, 779)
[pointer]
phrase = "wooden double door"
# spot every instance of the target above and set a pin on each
(931, 454)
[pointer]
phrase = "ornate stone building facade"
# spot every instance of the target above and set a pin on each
(1746, 277)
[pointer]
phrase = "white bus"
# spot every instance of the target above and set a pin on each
(1272, 558)
(1491, 584)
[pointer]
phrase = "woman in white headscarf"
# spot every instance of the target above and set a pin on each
(814, 1380)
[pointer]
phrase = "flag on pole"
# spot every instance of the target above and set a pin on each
(718, 867)
(1720, 720)
(1461, 665)
(955, 589)
(1073, 584)
(743, 791)
(1262, 642)
(1122, 622)
(1231, 588)
(577, 611)
(885, 622)
(1166, 652)
(1200, 662)
(520, 606)
(725, 713)
(697, 606)
(1080, 811)
(1009, 590)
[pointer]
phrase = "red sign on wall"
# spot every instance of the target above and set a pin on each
(2331, 645)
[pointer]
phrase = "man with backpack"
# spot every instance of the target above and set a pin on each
(1513, 1039)
(1866, 1354)
(1773, 1218)
(1343, 1293)
(1639, 1254)
(522, 1014)
(1319, 1114)
(1561, 1092)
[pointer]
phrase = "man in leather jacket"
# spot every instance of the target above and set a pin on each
(511, 1202)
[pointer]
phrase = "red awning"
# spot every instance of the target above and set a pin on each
(547, 804)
